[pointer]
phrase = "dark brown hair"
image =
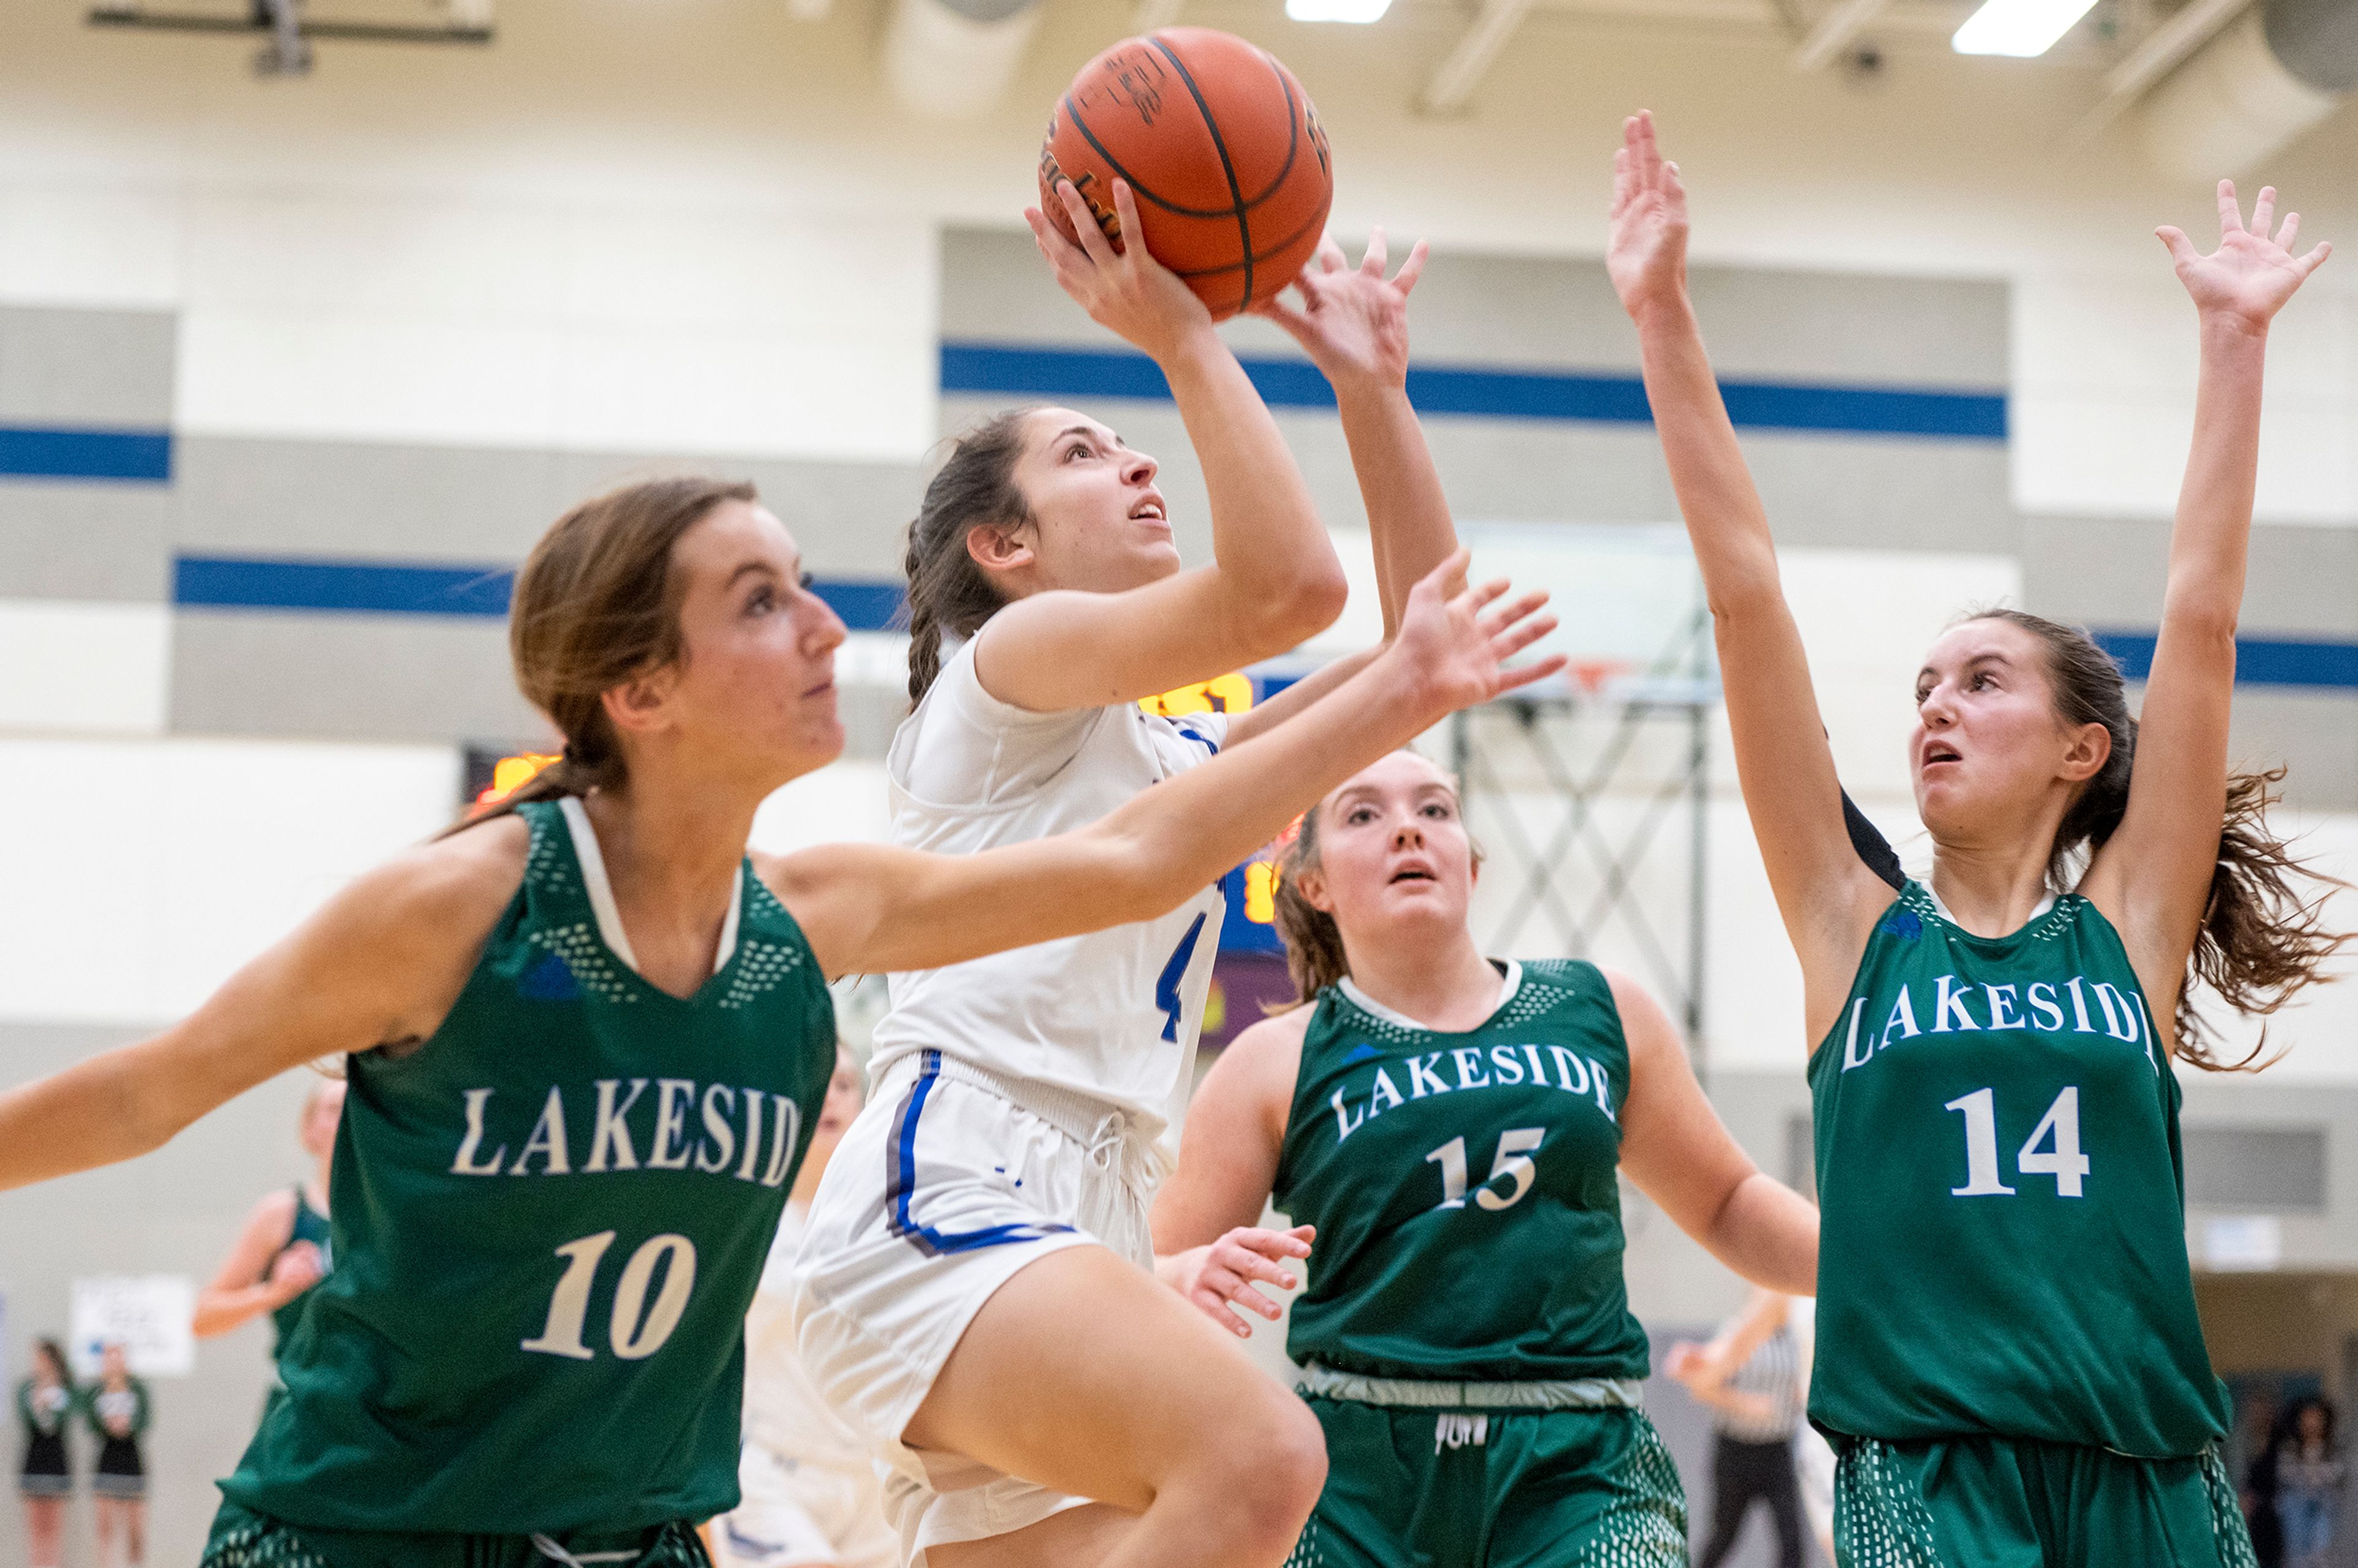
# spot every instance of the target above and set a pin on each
(1315, 958)
(596, 604)
(2262, 937)
(948, 592)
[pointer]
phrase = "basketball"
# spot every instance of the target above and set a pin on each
(1222, 150)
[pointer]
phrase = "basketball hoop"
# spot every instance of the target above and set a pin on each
(1590, 674)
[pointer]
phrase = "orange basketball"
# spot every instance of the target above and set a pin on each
(1222, 150)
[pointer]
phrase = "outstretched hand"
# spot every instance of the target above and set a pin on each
(1646, 253)
(2248, 278)
(1128, 292)
(1352, 321)
(1222, 1276)
(1454, 642)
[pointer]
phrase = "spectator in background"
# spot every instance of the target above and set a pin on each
(45, 1401)
(117, 1409)
(1750, 1376)
(2264, 1424)
(2309, 1473)
(283, 1249)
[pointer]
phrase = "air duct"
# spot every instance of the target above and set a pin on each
(947, 58)
(2280, 69)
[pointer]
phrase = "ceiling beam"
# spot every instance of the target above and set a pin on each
(1455, 78)
(2164, 49)
(1835, 32)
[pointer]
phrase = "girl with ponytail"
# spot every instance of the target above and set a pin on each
(586, 1039)
(982, 1239)
(2010, 1363)
(1412, 1066)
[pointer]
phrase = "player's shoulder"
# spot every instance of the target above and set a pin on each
(275, 1210)
(1270, 1049)
(452, 889)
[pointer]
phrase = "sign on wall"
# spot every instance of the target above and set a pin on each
(152, 1314)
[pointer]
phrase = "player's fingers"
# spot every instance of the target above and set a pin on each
(1085, 225)
(2181, 249)
(1372, 263)
(1504, 615)
(2289, 232)
(1268, 1243)
(1125, 212)
(1411, 269)
(1523, 676)
(1249, 1265)
(2316, 258)
(1292, 318)
(1506, 644)
(1215, 1309)
(2264, 211)
(1476, 598)
(1330, 255)
(2231, 213)
(1444, 580)
(1649, 151)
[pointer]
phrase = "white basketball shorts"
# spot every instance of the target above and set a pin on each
(801, 1512)
(950, 1181)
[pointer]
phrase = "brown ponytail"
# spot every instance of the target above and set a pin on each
(596, 604)
(948, 594)
(1314, 958)
(2262, 937)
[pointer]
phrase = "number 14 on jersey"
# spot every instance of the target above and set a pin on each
(2058, 1129)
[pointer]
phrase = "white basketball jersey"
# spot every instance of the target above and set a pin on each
(783, 1409)
(1112, 1015)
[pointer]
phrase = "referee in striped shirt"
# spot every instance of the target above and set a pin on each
(1750, 1377)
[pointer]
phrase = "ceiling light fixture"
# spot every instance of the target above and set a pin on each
(1336, 10)
(2022, 28)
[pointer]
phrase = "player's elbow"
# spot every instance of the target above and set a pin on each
(1277, 618)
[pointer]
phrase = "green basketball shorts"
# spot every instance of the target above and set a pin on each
(243, 1538)
(1996, 1502)
(1471, 1489)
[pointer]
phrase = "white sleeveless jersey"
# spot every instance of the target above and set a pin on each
(783, 1409)
(1112, 1015)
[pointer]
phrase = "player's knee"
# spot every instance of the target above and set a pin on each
(1269, 1481)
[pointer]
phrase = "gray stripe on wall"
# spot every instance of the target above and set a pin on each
(69, 539)
(1560, 312)
(86, 367)
(2110, 572)
(387, 501)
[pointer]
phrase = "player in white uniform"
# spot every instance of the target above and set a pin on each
(811, 1494)
(975, 1291)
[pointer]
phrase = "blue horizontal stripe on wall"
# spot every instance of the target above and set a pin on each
(31, 452)
(1014, 370)
(2259, 661)
(383, 588)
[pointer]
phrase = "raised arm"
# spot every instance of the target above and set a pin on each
(2153, 877)
(1828, 898)
(380, 962)
(1209, 1243)
(1274, 581)
(1679, 1153)
(870, 908)
(1353, 323)
(261, 1273)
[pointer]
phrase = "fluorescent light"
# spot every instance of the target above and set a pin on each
(2018, 27)
(1339, 10)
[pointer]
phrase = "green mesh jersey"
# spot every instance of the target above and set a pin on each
(310, 1226)
(2003, 1248)
(1464, 1187)
(549, 1221)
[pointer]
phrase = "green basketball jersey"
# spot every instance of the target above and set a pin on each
(2003, 1248)
(310, 1226)
(1464, 1187)
(549, 1221)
